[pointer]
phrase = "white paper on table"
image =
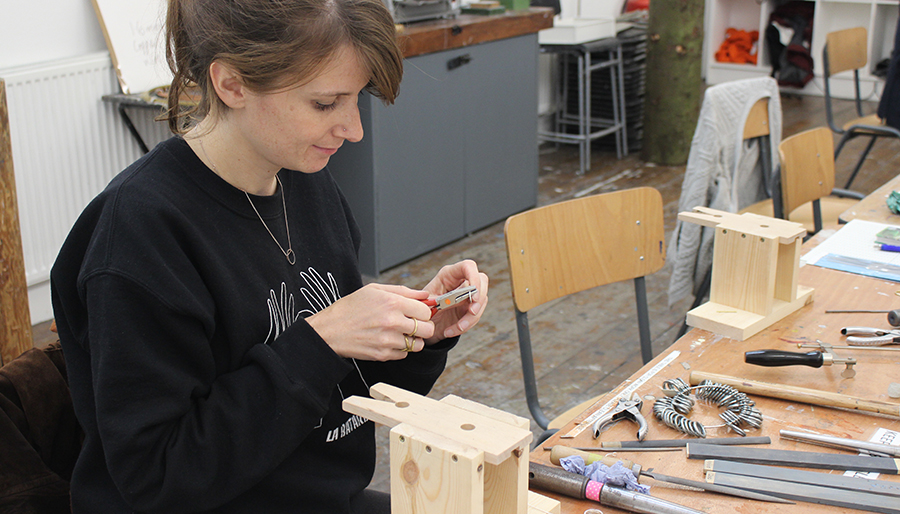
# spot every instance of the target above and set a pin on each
(855, 239)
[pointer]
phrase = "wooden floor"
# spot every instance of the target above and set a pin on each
(587, 343)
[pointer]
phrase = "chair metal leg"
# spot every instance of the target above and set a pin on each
(859, 163)
(640, 296)
(817, 216)
(531, 394)
(621, 95)
(584, 112)
(847, 136)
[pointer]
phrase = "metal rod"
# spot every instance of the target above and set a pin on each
(713, 488)
(841, 443)
(879, 348)
(582, 488)
(848, 311)
(619, 450)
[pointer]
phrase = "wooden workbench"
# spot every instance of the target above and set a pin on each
(704, 351)
(873, 206)
(469, 29)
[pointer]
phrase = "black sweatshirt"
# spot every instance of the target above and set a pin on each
(194, 374)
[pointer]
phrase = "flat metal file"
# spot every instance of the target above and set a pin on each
(671, 443)
(842, 443)
(821, 495)
(791, 458)
(882, 487)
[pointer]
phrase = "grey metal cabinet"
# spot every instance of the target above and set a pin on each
(455, 153)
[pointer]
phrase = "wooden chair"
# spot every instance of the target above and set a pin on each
(845, 50)
(806, 179)
(572, 246)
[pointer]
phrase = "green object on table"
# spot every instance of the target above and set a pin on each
(516, 5)
(893, 202)
(485, 12)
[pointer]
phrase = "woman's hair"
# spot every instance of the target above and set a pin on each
(273, 45)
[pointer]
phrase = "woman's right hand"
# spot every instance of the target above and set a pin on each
(372, 322)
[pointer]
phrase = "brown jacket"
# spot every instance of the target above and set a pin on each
(39, 435)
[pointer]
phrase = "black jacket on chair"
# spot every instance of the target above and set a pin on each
(889, 106)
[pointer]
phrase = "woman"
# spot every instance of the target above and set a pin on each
(209, 302)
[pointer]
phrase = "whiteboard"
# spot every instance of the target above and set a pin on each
(134, 32)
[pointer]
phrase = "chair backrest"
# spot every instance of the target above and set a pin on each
(807, 167)
(845, 50)
(579, 244)
(757, 122)
(576, 245)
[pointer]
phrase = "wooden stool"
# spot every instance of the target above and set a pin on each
(754, 272)
(453, 455)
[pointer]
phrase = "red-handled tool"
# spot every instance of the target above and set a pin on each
(447, 300)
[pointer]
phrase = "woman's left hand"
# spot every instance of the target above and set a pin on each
(454, 321)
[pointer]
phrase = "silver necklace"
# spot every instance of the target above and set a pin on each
(289, 253)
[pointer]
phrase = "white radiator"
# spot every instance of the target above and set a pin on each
(67, 144)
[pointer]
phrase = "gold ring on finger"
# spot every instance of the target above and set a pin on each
(409, 341)
(415, 328)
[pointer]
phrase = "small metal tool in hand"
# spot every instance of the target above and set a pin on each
(447, 300)
(624, 409)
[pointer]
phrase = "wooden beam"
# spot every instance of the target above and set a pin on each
(799, 394)
(470, 29)
(15, 318)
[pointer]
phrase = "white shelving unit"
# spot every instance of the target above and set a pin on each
(879, 17)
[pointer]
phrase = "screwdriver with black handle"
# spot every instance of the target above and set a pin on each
(814, 359)
(770, 358)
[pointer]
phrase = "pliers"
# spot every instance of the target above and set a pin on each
(873, 336)
(624, 409)
(447, 300)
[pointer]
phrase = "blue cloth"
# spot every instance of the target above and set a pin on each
(617, 474)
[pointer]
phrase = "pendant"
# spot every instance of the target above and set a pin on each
(290, 256)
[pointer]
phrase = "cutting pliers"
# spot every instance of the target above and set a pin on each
(624, 409)
(871, 336)
(447, 300)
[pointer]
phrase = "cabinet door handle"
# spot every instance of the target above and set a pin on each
(456, 62)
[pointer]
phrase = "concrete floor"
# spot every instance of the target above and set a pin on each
(587, 343)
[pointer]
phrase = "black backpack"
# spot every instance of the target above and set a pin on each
(792, 65)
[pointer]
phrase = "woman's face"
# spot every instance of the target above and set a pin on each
(301, 128)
